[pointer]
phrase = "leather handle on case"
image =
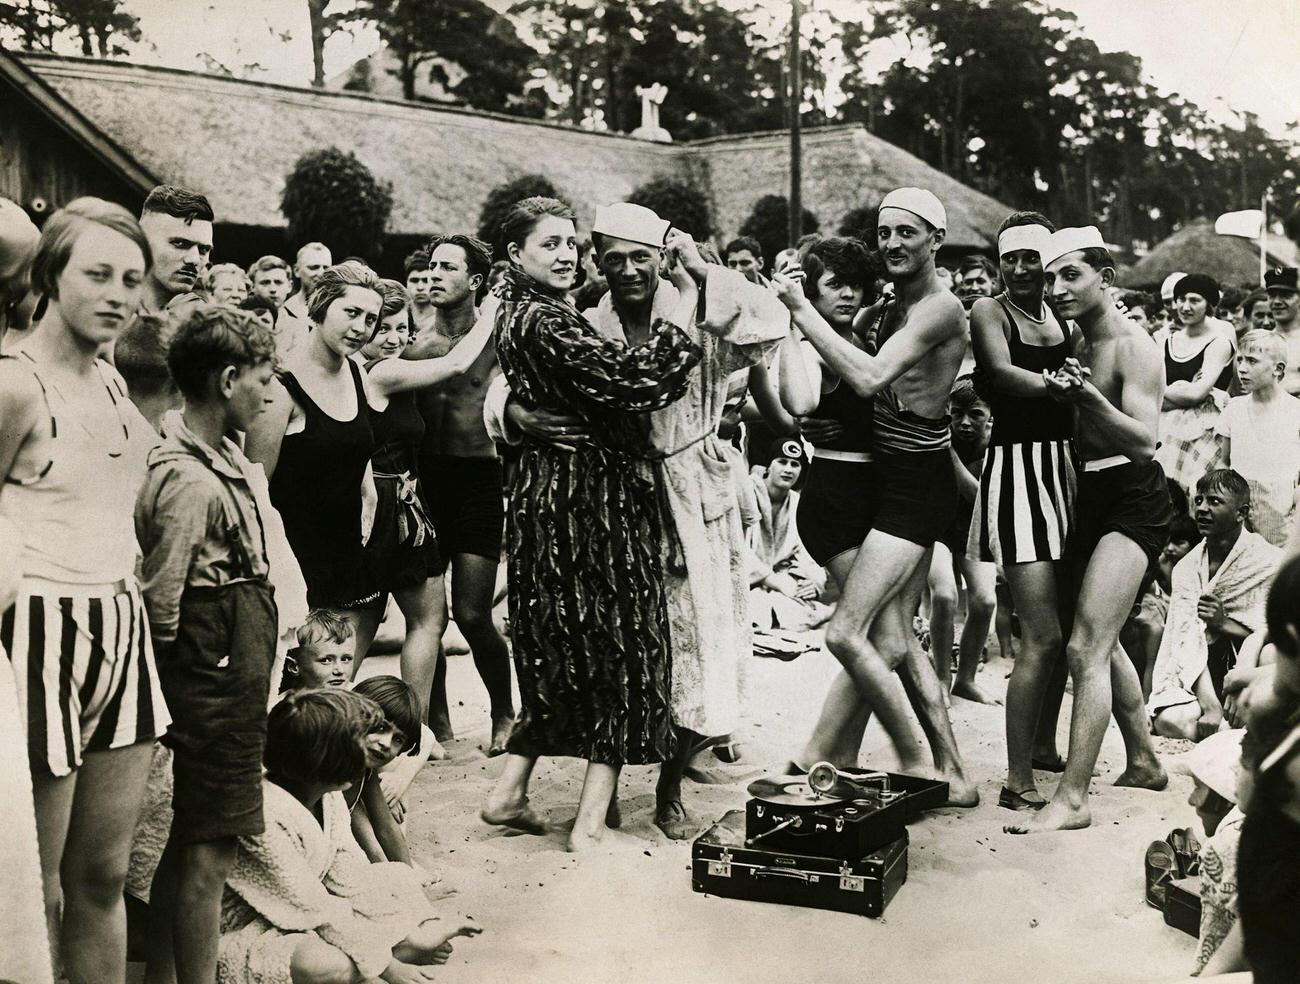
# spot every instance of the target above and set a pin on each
(781, 873)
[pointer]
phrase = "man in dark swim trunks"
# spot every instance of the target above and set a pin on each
(921, 335)
(461, 473)
(1122, 517)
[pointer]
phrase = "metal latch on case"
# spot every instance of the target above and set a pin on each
(850, 882)
(721, 868)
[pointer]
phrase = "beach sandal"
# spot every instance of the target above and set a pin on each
(1161, 867)
(1049, 765)
(728, 752)
(1187, 851)
(1022, 802)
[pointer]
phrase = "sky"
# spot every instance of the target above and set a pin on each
(1224, 55)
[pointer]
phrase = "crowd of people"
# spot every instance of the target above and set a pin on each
(673, 447)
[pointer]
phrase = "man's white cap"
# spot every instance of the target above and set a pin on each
(920, 202)
(635, 223)
(1019, 237)
(1070, 239)
(1167, 288)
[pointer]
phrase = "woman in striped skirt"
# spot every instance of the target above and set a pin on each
(1022, 516)
(72, 456)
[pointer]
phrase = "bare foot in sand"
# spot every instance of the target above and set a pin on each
(961, 792)
(1054, 816)
(973, 691)
(602, 840)
(1147, 775)
(516, 816)
(501, 728)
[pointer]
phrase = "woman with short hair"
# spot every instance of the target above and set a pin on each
(586, 528)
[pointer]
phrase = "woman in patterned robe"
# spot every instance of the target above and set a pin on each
(585, 527)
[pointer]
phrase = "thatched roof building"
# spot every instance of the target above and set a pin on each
(1197, 248)
(103, 127)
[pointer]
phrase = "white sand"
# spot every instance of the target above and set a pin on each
(978, 905)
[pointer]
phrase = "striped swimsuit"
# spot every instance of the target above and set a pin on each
(78, 635)
(1024, 511)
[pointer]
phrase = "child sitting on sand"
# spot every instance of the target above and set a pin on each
(302, 903)
(324, 655)
(375, 822)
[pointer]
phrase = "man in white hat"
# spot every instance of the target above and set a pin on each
(740, 325)
(920, 337)
(1122, 515)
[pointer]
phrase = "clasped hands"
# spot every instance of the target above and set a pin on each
(1069, 384)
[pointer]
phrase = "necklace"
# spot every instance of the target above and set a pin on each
(1038, 321)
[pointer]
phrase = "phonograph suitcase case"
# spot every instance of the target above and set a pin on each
(722, 865)
(1183, 905)
(843, 821)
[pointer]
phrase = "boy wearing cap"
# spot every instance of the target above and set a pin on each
(1115, 382)
(920, 338)
(739, 325)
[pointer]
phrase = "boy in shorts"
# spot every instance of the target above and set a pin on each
(213, 616)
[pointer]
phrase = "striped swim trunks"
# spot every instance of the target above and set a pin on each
(85, 671)
(1025, 508)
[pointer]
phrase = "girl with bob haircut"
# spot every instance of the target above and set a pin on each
(402, 549)
(586, 527)
(315, 441)
(73, 455)
(302, 903)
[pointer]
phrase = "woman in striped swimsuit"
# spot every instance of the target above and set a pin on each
(1023, 513)
(73, 451)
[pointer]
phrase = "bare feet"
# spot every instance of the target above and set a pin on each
(608, 841)
(973, 691)
(961, 792)
(1149, 775)
(501, 727)
(613, 815)
(440, 725)
(436, 752)
(516, 816)
(1054, 816)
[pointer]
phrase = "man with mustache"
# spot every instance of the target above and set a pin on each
(920, 335)
(178, 225)
(739, 325)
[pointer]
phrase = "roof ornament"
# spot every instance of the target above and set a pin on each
(652, 97)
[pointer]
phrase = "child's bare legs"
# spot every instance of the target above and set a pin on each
(185, 912)
(84, 824)
(316, 962)
(1002, 621)
(507, 804)
(597, 789)
(943, 614)
(980, 581)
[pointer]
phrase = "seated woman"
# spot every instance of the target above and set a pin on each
(302, 903)
(784, 580)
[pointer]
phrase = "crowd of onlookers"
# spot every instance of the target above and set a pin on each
(216, 489)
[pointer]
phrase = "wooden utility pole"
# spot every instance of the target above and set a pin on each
(796, 151)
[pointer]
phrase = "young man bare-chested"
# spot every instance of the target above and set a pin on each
(1122, 516)
(462, 473)
(920, 336)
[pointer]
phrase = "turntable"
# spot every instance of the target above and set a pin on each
(833, 818)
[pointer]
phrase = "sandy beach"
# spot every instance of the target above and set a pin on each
(978, 906)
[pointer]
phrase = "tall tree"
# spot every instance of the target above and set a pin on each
(332, 197)
(428, 36)
(96, 28)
